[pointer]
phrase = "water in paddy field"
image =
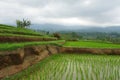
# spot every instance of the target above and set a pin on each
(77, 67)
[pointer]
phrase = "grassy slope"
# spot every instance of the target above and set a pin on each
(12, 46)
(6, 30)
(14, 30)
(72, 67)
(9, 31)
(90, 44)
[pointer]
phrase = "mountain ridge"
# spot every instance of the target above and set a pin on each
(57, 28)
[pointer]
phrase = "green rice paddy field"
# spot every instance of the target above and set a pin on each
(12, 46)
(73, 67)
(91, 44)
(79, 44)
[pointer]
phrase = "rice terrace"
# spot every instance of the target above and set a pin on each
(59, 39)
(56, 59)
(73, 67)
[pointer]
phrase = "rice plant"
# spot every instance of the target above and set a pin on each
(73, 67)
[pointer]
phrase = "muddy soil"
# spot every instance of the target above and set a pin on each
(20, 59)
(23, 39)
(91, 50)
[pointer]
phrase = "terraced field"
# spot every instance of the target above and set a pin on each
(12, 38)
(73, 67)
(11, 31)
(59, 66)
(13, 46)
(91, 44)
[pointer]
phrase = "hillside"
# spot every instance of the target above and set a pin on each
(14, 34)
(12, 31)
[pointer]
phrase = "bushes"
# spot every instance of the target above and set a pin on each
(57, 35)
(23, 24)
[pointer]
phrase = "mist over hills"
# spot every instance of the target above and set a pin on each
(57, 28)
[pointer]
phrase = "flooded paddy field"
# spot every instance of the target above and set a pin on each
(73, 67)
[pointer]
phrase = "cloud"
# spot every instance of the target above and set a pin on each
(66, 12)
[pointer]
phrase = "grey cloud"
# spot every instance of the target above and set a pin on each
(91, 10)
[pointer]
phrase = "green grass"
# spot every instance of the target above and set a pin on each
(91, 44)
(73, 67)
(10, 31)
(14, 30)
(28, 36)
(12, 46)
(6, 30)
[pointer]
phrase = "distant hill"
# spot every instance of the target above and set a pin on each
(101, 29)
(55, 27)
(50, 27)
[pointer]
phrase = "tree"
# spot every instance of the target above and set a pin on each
(19, 23)
(47, 32)
(23, 24)
(57, 35)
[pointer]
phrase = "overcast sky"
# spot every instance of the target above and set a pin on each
(66, 12)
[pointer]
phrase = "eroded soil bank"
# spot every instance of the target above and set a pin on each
(12, 62)
(23, 39)
(91, 50)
